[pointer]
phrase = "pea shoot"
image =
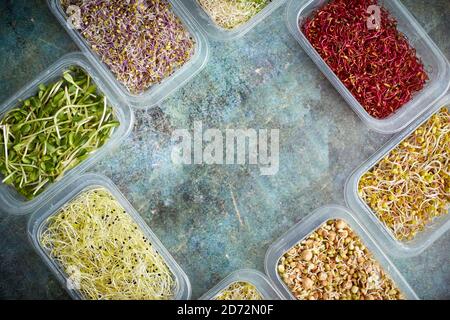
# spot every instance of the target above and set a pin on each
(53, 131)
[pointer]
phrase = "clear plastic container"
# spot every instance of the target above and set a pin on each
(158, 92)
(256, 278)
(10, 200)
(311, 223)
(218, 33)
(392, 245)
(435, 63)
(67, 193)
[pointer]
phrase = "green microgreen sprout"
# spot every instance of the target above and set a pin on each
(53, 131)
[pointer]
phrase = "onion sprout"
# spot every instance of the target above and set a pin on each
(411, 185)
(230, 14)
(94, 235)
(239, 291)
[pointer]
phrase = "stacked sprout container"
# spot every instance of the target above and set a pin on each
(80, 109)
(81, 224)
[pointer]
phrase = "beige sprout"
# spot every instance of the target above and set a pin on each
(239, 291)
(96, 241)
(411, 185)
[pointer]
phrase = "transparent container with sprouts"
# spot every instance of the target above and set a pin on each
(99, 247)
(245, 284)
(402, 191)
(294, 257)
(226, 20)
(434, 62)
(36, 136)
(149, 60)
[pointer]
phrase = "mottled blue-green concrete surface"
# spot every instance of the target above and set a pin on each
(217, 219)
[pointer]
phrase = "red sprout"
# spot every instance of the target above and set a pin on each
(378, 66)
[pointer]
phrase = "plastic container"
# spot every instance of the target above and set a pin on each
(435, 63)
(393, 246)
(158, 92)
(256, 278)
(218, 33)
(311, 223)
(10, 200)
(37, 225)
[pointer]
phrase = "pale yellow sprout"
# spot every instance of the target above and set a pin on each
(230, 14)
(239, 291)
(108, 257)
(332, 263)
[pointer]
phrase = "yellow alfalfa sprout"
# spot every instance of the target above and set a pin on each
(239, 291)
(411, 185)
(108, 257)
(229, 14)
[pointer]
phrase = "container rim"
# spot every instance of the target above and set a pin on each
(393, 246)
(156, 93)
(254, 277)
(68, 193)
(309, 224)
(10, 201)
(404, 116)
(218, 33)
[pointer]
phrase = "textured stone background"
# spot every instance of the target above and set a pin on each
(263, 80)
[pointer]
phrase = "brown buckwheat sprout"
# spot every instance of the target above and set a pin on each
(333, 264)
